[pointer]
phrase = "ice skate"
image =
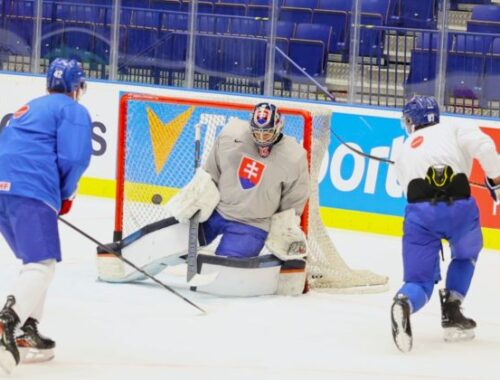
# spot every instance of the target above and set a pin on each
(456, 326)
(9, 354)
(34, 347)
(401, 328)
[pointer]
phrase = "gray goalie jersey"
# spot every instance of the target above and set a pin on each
(252, 188)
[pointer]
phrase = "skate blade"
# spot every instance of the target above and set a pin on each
(453, 334)
(402, 340)
(34, 355)
(7, 361)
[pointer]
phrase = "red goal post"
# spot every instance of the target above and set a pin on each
(121, 179)
(155, 158)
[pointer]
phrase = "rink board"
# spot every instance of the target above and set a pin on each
(355, 192)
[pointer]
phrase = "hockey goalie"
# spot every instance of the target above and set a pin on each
(249, 194)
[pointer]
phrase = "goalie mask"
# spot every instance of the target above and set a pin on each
(266, 125)
(420, 112)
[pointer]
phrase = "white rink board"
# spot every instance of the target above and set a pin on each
(102, 101)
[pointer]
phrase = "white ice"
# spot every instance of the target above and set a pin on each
(106, 331)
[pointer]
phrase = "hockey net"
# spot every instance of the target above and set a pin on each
(156, 158)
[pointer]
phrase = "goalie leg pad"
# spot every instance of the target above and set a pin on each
(292, 279)
(240, 277)
(152, 252)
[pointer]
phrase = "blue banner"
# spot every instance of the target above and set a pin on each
(354, 182)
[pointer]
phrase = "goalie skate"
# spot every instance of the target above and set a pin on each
(34, 347)
(401, 328)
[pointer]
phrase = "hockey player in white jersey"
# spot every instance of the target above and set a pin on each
(433, 168)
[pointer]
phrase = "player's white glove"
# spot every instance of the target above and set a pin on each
(286, 240)
(199, 194)
(494, 189)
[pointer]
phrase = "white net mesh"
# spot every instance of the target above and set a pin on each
(157, 160)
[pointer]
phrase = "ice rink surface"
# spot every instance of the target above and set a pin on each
(129, 331)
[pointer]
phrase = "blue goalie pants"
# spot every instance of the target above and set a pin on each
(238, 239)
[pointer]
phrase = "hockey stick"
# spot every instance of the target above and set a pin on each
(194, 222)
(120, 257)
(386, 160)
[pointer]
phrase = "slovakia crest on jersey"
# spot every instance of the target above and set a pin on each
(250, 172)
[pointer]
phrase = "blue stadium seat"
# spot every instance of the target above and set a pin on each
(244, 57)
(295, 14)
(335, 5)
(371, 38)
(135, 3)
(338, 20)
(421, 14)
(485, 19)
(310, 56)
(378, 7)
(284, 29)
(171, 55)
(245, 26)
(263, 2)
(422, 75)
(491, 89)
(472, 43)
(208, 23)
(203, 6)
(166, 5)
(258, 10)
(207, 54)
(315, 32)
(464, 74)
(486, 13)
(232, 9)
(311, 4)
(174, 21)
(146, 19)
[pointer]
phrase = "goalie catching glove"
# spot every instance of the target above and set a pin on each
(286, 240)
(494, 189)
(199, 194)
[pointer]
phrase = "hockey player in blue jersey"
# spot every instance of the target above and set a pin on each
(44, 150)
(433, 168)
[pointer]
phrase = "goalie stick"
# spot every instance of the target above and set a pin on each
(194, 222)
(120, 257)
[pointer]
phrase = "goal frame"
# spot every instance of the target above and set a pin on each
(121, 142)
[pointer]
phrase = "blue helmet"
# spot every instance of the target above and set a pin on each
(266, 124)
(65, 76)
(420, 111)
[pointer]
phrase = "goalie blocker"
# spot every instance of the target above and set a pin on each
(164, 243)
